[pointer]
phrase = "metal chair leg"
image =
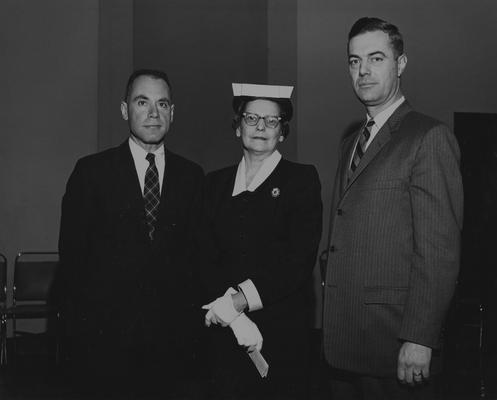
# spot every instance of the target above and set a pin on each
(57, 339)
(14, 339)
(3, 340)
(483, 392)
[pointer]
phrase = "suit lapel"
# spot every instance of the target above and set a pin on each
(347, 148)
(130, 198)
(128, 177)
(381, 139)
(170, 184)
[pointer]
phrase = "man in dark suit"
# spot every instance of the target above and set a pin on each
(394, 235)
(128, 216)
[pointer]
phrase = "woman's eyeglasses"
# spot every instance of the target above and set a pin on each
(271, 121)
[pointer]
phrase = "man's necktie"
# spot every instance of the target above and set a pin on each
(151, 194)
(360, 148)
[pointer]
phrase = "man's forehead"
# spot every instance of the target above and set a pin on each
(370, 42)
(150, 85)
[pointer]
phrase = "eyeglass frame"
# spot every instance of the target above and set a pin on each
(259, 117)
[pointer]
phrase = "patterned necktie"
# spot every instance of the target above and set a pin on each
(360, 148)
(151, 194)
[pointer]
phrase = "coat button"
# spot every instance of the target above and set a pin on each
(332, 249)
(339, 211)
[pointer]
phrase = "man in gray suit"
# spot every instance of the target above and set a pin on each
(394, 235)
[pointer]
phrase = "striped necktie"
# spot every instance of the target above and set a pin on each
(151, 194)
(360, 148)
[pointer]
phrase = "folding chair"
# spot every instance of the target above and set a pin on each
(34, 273)
(3, 310)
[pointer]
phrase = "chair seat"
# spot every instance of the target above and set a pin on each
(21, 311)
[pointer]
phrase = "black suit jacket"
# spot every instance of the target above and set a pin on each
(394, 244)
(122, 289)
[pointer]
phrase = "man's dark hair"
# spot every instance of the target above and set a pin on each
(153, 73)
(371, 24)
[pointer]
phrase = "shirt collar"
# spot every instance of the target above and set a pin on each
(267, 167)
(139, 152)
(383, 116)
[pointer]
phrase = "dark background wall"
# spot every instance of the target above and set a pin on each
(49, 108)
(204, 47)
(191, 40)
(65, 63)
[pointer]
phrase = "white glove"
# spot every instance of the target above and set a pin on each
(221, 311)
(246, 332)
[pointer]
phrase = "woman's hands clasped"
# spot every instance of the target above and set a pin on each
(222, 312)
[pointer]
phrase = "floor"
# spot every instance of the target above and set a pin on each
(35, 377)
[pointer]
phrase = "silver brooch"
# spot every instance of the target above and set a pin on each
(275, 192)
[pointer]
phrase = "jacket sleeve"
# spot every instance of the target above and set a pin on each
(77, 217)
(436, 196)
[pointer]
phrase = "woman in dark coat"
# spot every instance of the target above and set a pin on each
(261, 234)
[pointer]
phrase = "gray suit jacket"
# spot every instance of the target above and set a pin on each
(393, 244)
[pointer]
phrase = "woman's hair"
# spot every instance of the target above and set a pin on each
(285, 106)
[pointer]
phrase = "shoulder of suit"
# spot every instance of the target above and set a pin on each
(221, 174)
(295, 167)
(421, 120)
(284, 165)
(99, 158)
(298, 174)
(183, 163)
(115, 154)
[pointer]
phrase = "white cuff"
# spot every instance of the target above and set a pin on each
(251, 294)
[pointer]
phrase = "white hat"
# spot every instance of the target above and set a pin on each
(273, 91)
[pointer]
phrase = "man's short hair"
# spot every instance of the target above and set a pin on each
(153, 73)
(371, 24)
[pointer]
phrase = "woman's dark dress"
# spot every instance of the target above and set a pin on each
(270, 236)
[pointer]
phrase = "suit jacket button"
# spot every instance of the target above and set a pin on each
(332, 249)
(339, 211)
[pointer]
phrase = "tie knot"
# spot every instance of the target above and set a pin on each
(150, 158)
(366, 132)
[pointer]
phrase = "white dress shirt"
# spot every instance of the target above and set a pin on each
(141, 163)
